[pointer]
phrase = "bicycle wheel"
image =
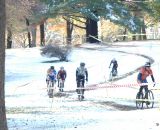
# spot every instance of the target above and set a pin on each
(139, 100)
(61, 86)
(110, 76)
(47, 86)
(114, 73)
(50, 92)
(150, 103)
(80, 92)
(80, 97)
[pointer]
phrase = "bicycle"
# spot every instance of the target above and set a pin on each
(50, 88)
(142, 99)
(80, 91)
(112, 74)
(61, 85)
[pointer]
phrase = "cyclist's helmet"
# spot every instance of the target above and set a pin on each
(62, 68)
(147, 64)
(114, 59)
(52, 67)
(82, 64)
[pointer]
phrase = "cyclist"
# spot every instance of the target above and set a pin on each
(114, 64)
(81, 74)
(144, 72)
(61, 75)
(51, 74)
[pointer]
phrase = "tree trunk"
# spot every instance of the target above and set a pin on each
(92, 31)
(140, 36)
(87, 29)
(3, 121)
(42, 35)
(144, 37)
(133, 37)
(34, 32)
(29, 34)
(69, 32)
(124, 33)
(9, 38)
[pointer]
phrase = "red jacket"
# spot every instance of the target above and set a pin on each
(62, 74)
(145, 73)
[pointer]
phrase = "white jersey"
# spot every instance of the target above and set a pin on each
(81, 71)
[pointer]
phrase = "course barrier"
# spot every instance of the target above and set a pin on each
(113, 85)
(110, 85)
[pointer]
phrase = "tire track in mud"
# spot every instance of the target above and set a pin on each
(126, 74)
(133, 71)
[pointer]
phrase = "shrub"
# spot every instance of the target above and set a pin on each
(55, 50)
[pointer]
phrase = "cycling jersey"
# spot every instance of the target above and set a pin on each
(115, 64)
(144, 73)
(81, 74)
(62, 74)
(52, 74)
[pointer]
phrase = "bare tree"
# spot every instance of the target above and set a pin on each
(18, 19)
(16, 10)
(3, 122)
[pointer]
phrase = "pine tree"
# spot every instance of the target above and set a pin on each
(118, 12)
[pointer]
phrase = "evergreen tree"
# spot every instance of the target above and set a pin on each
(118, 12)
(155, 5)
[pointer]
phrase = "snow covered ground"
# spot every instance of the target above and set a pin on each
(111, 108)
